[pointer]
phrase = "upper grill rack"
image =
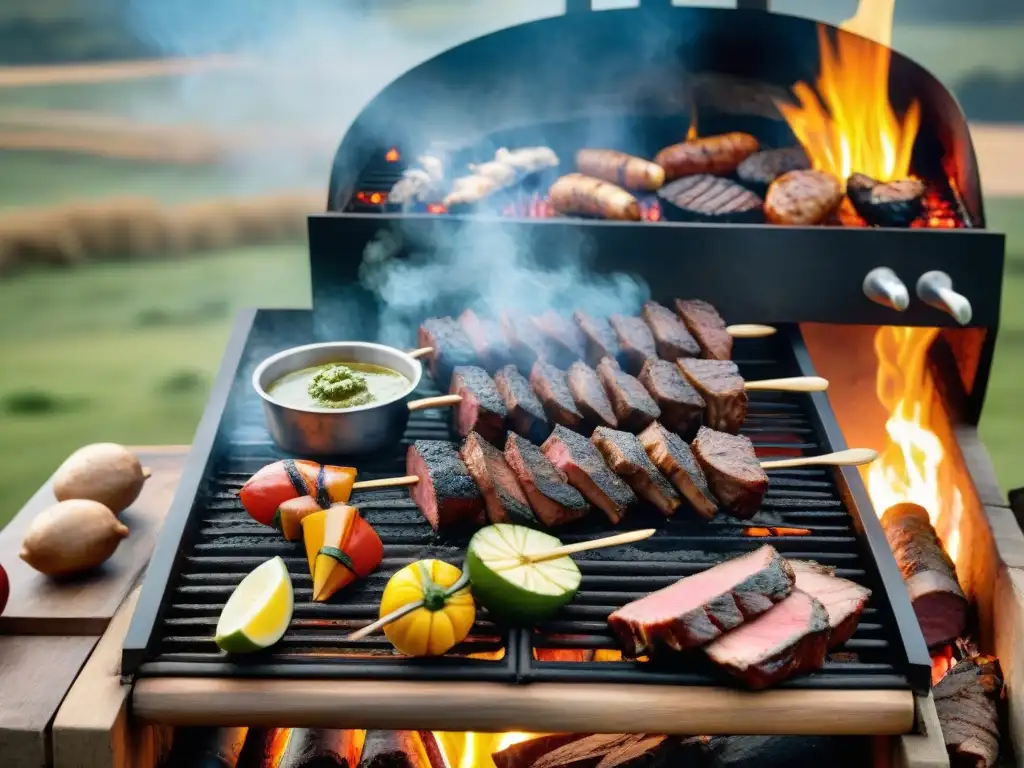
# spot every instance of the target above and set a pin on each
(221, 543)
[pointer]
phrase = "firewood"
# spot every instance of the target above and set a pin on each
(597, 751)
(781, 752)
(525, 753)
(965, 702)
(401, 749)
(316, 748)
(208, 747)
(928, 573)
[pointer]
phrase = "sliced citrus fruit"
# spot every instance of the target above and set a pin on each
(259, 610)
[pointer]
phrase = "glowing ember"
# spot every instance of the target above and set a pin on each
(776, 531)
(474, 750)
(392, 155)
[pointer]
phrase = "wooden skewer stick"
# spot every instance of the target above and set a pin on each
(792, 384)
(852, 457)
(386, 482)
(405, 610)
(416, 354)
(750, 331)
(440, 401)
(608, 541)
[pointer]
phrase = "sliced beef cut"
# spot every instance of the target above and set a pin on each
(632, 404)
(733, 471)
(720, 384)
(582, 463)
(565, 339)
(446, 493)
(635, 340)
(525, 412)
(451, 347)
(589, 395)
(554, 501)
(525, 341)
(844, 600)
(598, 336)
(789, 639)
(487, 339)
(707, 327)
(503, 497)
(673, 457)
(697, 609)
(626, 456)
(482, 409)
(682, 408)
(671, 338)
(552, 388)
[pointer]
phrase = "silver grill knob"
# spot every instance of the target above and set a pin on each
(935, 289)
(882, 286)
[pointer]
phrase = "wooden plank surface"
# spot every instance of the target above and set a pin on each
(39, 605)
(926, 748)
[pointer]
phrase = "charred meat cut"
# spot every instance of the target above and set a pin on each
(589, 396)
(554, 501)
(450, 344)
(682, 408)
(710, 198)
(671, 339)
(718, 155)
(844, 600)
(486, 337)
(626, 456)
(525, 412)
(581, 462)
(446, 493)
(886, 204)
(482, 408)
(633, 406)
(732, 469)
(707, 327)
(525, 341)
(722, 388)
(697, 609)
(762, 168)
(673, 457)
(598, 336)
(789, 639)
(503, 497)
(635, 340)
(802, 198)
(565, 339)
(552, 388)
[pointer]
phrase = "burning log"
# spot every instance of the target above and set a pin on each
(599, 751)
(776, 752)
(316, 748)
(524, 754)
(209, 747)
(965, 700)
(928, 572)
(401, 749)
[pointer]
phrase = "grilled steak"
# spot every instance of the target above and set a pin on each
(626, 456)
(791, 638)
(554, 501)
(565, 339)
(451, 347)
(481, 408)
(710, 198)
(682, 409)
(762, 168)
(525, 341)
(550, 385)
(886, 204)
(581, 462)
(503, 497)
(598, 337)
(633, 406)
(671, 338)
(697, 609)
(525, 412)
(487, 339)
(446, 493)
(589, 396)
(720, 384)
(733, 471)
(707, 326)
(844, 600)
(673, 457)
(802, 198)
(635, 341)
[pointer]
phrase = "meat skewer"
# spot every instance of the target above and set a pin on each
(635, 341)
(682, 407)
(487, 340)
(673, 456)
(626, 456)
(589, 396)
(565, 339)
(525, 412)
(554, 501)
(586, 470)
(600, 340)
(503, 497)
(551, 385)
(633, 406)
(671, 338)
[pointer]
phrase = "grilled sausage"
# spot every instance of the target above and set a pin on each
(619, 168)
(577, 194)
(802, 197)
(718, 155)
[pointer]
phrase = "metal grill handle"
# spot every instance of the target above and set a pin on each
(583, 6)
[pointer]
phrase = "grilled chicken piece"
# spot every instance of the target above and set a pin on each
(589, 396)
(481, 408)
(446, 493)
(487, 340)
(554, 501)
(671, 339)
(451, 347)
(565, 339)
(633, 406)
(503, 497)
(581, 462)
(599, 338)
(525, 341)
(682, 409)
(552, 388)
(707, 326)
(525, 412)
(733, 471)
(844, 600)
(720, 385)
(625, 455)
(635, 340)
(673, 457)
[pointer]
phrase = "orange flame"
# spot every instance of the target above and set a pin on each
(691, 132)
(474, 750)
(392, 155)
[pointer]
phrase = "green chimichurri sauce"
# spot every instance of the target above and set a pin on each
(339, 385)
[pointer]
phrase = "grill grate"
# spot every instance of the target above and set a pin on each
(221, 543)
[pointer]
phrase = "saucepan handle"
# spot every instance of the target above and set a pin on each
(582, 6)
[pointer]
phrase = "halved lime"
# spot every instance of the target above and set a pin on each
(513, 589)
(259, 610)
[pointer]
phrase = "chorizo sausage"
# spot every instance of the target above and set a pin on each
(576, 194)
(802, 198)
(619, 168)
(718, 155)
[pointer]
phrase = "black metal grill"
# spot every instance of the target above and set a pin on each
(219, 543)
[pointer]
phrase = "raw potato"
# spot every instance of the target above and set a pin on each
(103, 472)
(71, 536)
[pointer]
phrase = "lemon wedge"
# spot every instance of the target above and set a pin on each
(259, 610)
